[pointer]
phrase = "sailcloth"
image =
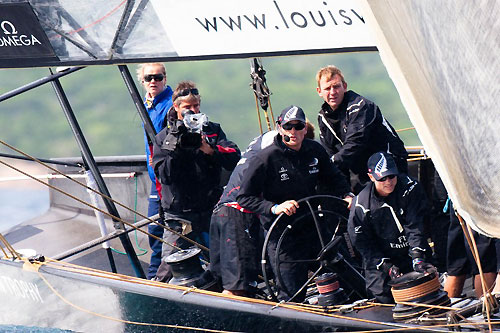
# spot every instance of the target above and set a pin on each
(443, 57)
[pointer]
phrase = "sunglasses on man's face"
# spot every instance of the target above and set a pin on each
(298, 126)
(151, 77)
(185, 92)
(383, 179)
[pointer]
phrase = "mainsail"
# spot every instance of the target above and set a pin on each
(443, 57)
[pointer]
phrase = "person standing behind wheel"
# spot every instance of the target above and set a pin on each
(158, 101)
(386, 225)
(277, 177)
(352, 128)
(235, 231)
(189, 154)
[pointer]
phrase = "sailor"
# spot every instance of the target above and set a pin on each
(189, 155)
(277, 177)
(460, 260)
(386, 225)
(352, 128)
(235, 231)
(158, 101)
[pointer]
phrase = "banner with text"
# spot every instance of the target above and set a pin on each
(200, 27)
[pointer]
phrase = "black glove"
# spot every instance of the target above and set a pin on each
(394, 272)
(387, 267)
(421, 266)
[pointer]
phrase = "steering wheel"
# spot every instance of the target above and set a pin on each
(326, 212)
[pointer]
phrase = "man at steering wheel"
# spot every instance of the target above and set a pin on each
(277, 177)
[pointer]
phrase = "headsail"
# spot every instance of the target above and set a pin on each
(443, 59)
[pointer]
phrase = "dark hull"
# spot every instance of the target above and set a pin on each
(92, 301)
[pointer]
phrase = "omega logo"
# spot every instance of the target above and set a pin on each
(12, 28)
(12, 38)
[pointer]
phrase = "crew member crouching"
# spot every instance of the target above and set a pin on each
(386, 225)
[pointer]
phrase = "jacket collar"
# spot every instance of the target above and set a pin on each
(166, 94)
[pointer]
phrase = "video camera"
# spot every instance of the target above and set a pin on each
(187, 132)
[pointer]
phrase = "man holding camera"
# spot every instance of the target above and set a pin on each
(189, 154)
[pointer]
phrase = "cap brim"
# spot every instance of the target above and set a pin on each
(385, 173)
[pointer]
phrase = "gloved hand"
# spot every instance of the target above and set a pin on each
(394, 272)
(419, 265)
(387, 267)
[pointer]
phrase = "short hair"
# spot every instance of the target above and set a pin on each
(329, 72)
(140, 69)
(310, 130)
(181, 86)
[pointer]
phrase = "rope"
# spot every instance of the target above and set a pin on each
(294, 306)
(418, 291)
(9, 247)
(116, 319)
(405, 129)
(472, 244)
(258, 113)
(102, 195)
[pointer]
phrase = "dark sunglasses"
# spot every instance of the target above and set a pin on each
(185, 92)
(297, 126)
(156, 77)
(383, 179)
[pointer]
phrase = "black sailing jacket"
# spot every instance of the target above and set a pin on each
(278, 173)
(356, 130)
(190, 179)
(389, 227)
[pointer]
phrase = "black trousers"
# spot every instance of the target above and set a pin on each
(377, 282)
(234, 247)
(200, 222)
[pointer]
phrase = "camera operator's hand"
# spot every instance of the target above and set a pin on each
(205, 147)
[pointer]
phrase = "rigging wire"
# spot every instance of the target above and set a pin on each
(102, 195)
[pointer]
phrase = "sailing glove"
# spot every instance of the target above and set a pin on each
(387, 267)
(423, 267)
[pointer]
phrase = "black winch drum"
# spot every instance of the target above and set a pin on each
(187, 271)
(417, 287)
(329, 290)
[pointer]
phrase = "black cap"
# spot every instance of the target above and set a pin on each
(291, 113)
(382, 164)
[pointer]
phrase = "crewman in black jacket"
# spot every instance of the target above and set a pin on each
(386, 225)
(188, 157)
(352, 128)
(288, 170)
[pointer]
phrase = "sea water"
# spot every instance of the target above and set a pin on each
(18, 205)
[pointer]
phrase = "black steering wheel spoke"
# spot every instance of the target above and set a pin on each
(322, 216)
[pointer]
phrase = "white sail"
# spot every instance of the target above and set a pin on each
(443, 57)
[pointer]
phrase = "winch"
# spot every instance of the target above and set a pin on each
(415, 287)
(187, 270)
(329, 290)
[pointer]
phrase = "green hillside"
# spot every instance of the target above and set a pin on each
(34, 122)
